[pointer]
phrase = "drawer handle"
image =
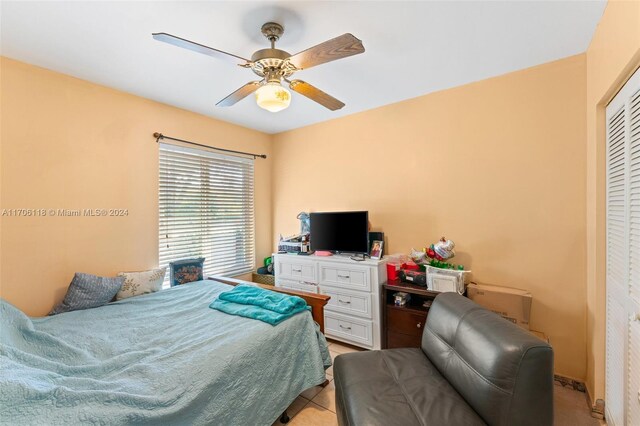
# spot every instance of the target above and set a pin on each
(343, 276)
(296, 270)
(419, 325)
(344, 301)
(346, 328)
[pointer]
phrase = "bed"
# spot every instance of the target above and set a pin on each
(161, 358)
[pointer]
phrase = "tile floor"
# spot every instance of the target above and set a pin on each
(316, 406)
(572, 408)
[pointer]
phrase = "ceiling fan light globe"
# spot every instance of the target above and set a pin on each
(273, 97)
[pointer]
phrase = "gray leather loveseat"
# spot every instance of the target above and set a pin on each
(474, 368)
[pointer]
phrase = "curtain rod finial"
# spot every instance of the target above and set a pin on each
(158, 135)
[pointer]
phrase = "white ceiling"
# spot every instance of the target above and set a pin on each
(412, 48)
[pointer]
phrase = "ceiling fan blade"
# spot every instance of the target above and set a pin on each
(240, 94)
(337, 48)
(315, 94)
(200, 48)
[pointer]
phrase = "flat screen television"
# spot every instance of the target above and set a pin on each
(346, 232)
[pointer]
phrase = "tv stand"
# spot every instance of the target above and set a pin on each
(352, 315)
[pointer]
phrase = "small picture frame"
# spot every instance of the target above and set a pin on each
(376, 249)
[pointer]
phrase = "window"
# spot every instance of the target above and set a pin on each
(206, 209)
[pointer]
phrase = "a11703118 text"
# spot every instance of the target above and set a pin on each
(60, 212)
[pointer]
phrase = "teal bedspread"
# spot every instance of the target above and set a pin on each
(161, 358)
(254, 302)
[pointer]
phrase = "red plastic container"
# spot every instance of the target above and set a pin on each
(392, 271)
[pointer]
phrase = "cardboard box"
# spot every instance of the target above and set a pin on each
(540, 335)
(510, 303)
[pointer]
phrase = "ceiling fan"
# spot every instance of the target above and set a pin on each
(275, 66)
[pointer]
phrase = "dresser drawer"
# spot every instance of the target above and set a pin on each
(293, 268)
(348, 302)
(349, 277)
(298, 285)
(405, 322)
(349, 329)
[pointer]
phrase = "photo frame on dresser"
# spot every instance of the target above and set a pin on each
(376, 249)
(375, 236)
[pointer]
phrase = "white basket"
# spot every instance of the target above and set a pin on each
(454, 280)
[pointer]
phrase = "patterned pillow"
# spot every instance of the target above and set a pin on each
(186, 271)
(88, 291)
(137, 283)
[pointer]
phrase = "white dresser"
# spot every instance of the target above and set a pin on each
(353, 313)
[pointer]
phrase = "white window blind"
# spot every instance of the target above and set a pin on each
(206, 209)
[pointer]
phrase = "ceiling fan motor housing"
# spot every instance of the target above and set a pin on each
(265, 60)
(268, 62)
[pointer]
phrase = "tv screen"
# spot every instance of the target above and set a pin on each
(346, 232)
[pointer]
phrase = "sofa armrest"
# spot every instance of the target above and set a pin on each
(501, 370)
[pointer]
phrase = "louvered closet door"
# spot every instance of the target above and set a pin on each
(623, 256)
(633, 397)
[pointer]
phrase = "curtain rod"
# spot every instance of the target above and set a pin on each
(160, 136)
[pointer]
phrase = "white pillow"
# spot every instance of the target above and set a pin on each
(137, 283)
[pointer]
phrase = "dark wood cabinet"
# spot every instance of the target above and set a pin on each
(402, 325)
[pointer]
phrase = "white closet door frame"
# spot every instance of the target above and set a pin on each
(623, 283)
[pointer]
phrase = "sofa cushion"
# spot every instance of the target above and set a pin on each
(396, 387)
(502, 371)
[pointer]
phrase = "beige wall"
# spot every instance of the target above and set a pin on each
(68, 143)
(612, 57)
(498, 166)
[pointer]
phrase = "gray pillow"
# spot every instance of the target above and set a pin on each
(88, 291)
